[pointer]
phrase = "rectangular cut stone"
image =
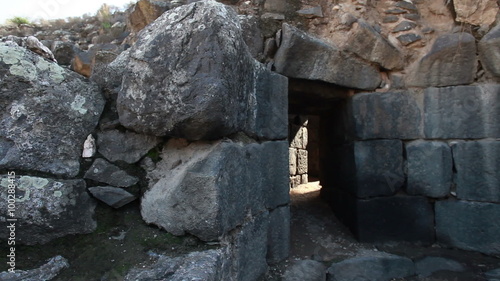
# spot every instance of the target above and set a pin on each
(292, 157)
(462, 112)
(385, 219)
(278, 235)
(302, 161)
(478, 170)
(386, 115)
(430, 168)
(471, 226)
(368, 168)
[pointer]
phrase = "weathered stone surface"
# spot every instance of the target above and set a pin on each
(468, 225)
(128, 147)
(398, 218)
(180, 82)
(386, 115)
(428, 265)
(477, 166)
(310, 13)
(336, 66)
(32, 43)
(370, 168)
(409, 38)
(404, 26)
(430, 168)
(47, 271)
(113, 196)
(448, 63)
(300, 138)
(83, 62)
(292, 160)
(369, 44)
(480, 12)
(252, 34)
(278, 235)
(89, 147)
(194, 188)
(63, 52)
(194, 266)
(489, 52)
(144, 13)
(105, 172)
(251, 248)
(462, 112)
(305, 270)
(379, 266)
(493, 275)
(47, 209)
(407, 6)
(47, 112)
(301, 161)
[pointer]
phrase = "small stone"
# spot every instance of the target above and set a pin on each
(378, 266)
(103, 171)
(396, 11)
(493, 275)
(407, 39)
(407, 6)
(413, 17)
(89, 148)
(125, 146)
(273, 16)
(113, 196)
(314, 12)
(47, 271)
(305, 270)
(390, 19)
(36, 46)
(428, 265)
(404, 26)
(427, 30)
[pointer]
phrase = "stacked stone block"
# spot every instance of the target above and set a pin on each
(298, 155)
(420, 165)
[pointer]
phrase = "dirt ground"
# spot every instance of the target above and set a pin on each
(317, 234)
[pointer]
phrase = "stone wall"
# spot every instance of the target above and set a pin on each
(419, 165)
(298, 154)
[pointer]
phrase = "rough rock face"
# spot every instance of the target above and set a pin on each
(489, 52)
(145, 12)
(478, 12)
(128, 147)
(448, 63)
(47, 271)
(62, 206)
(190, 75)
(303, 56)
(369, 44)
(195, 190)
(46, 113)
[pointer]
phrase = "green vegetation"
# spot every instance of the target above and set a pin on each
(19, 20)
(106, 25)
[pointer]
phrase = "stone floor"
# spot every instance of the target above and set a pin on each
(318, 235)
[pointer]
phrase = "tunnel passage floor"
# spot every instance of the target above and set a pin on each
(317, 234)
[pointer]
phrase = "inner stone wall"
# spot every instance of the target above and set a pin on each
(298, 154)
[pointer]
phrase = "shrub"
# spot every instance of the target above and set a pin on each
(19, 20)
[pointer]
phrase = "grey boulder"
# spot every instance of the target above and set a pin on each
(105, 172)
(305, 270)
(489, 52)
(47, 112)
(47, 209)
(113, 196)
(451, 61)
(128, 146)
(45, 272)
(190, 75)
(302, 56)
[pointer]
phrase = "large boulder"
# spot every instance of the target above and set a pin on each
(468, 225)
(390, 115)
(366, 42)
(477, 165)
(469, 112)
(479, 12)
(489, 52)
(145, 12)
(451, 61)
(190, 75)
(47, 112)
(46, 209)
(302, 56)
(194, 188)
(47, 271)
